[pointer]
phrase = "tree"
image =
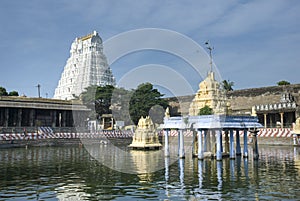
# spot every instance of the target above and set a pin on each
(98, 98)
(13, 93)
(3, 91)
(120, 105)
(227, 85)
(143, 99)
(206, 110)
(283, 82)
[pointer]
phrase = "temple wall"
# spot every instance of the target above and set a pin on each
(241, 100)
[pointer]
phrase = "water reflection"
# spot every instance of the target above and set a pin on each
(71, 173)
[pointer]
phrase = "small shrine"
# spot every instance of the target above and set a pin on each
(145, 136)
(296, 132)
(209, 94)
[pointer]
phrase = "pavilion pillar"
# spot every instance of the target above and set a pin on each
(59, 120)
(205, 141)
(254, 144)
(6, 117)
(221, 141)
(181, 144)
(281, 119)
(238, 144)
(53, 113)
(195, 144)
(231, 154)
(219, 147)
(19, 119)
(32, 117)
(265, 120)
(226, 141)
(208, 138)
(245, 155)
(167, 151)
(213, 142)
(200, 147)
(64, 118)
(112, 123)
(103, 123)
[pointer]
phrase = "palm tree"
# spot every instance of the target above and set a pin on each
(227, 85)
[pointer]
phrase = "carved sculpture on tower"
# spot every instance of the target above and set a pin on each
(86, 66)
(209, 94)
(145, 136)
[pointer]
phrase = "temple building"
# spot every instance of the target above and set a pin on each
(22, 112)
(86, 66)
(281, 113)
(209, 94)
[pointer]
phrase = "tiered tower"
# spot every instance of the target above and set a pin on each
(209, 94)
(86, 66)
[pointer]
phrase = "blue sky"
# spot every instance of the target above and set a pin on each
(257, 43)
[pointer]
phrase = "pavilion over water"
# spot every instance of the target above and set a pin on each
(209, 132)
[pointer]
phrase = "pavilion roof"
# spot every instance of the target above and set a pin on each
(212, 122)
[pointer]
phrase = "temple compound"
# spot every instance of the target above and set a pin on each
(210, 128)
(278, 114)
(86, 66)
(277, 107)
(209, 94)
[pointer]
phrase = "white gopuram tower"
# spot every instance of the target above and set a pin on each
(86, 66)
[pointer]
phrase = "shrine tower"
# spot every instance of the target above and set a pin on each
(210, 94)
(86, 66)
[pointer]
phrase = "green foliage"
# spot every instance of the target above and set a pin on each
(143, 99)
(98, 98)
(227, 85)
(125, 105)
(13, 93)
(283, 82)
(120, 105)
(206, 110)
(3, 91)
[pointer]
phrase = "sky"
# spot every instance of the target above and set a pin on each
(256, 43)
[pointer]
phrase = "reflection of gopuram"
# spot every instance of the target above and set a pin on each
(145, 136)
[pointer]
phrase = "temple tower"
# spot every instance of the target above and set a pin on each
(209, 94)
(86, 66)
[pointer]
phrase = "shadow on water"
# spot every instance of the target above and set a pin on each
(59, 173)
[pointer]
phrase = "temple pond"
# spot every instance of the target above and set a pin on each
(59, 173)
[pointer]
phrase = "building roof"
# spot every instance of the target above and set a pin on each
(41, 103)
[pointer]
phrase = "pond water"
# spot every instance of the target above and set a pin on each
(70, 173)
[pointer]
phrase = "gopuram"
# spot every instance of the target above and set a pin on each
(145, 136)
(86, 66)
(209, 94)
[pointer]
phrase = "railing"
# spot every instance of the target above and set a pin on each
(7, 130)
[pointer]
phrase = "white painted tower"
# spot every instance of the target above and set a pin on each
(86, 66)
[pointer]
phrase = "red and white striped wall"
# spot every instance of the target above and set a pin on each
(269, 132)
